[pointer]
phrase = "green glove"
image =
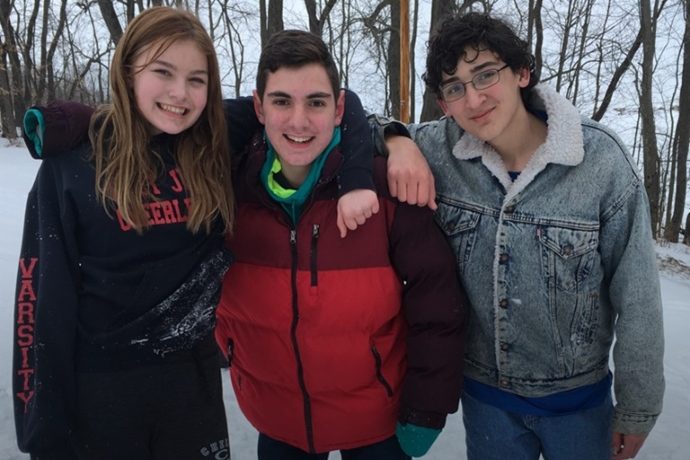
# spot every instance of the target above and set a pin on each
(415, 440)
(34, 127)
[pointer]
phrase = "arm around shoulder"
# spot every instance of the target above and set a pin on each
(45, 326)
(434, 306)
(55, 128)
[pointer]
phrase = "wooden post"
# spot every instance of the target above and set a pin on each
(404, 61)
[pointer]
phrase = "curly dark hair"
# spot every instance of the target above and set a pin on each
(477, 31)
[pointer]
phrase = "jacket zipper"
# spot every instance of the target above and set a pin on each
(295, 343)
(314, 247)
(379, 373)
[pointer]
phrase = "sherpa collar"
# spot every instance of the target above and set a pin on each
(563, 144)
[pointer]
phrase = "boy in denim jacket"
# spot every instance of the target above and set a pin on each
(550, 223)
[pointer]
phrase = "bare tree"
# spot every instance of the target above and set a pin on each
(111, 20)
(536, 29)
(316, 21)
(8, 124)
(681, 140)
(649, 141)
(14, 93)
(413, 65)
(440, 10)
(46, 76)
(236, 46)
(394, 60)
(275, 17)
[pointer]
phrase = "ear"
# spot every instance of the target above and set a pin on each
(444, 106)
(258, 108)
(339, 107)
(523, 77)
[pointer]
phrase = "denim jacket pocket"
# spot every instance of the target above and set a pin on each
(568, 255)
(460, 227)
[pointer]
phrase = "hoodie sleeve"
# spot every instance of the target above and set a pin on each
(56, 128)
(45, 322)
(434, 306)
(356, 145)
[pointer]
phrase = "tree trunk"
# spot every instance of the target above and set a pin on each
(394, 60)
(440, 10)
(263, 22)
(111, 20)
(317, 22)
(538, 36)
(681, 140)
(649, 141)
(8, 123)
(275, 17)
(413, 66)
(15, 68)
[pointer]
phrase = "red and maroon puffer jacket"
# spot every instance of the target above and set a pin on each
(316, 326)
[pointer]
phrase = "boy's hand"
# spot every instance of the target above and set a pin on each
(626, 446)
(354, 208)
(409, 176)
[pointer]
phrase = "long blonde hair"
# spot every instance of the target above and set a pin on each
(120, 136)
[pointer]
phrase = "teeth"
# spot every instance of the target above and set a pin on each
(300, 140)
(172, 108)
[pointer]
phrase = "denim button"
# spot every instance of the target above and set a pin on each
(509, 209)
(503, 258)
(505, 383)
(504, 347)
(503, 303)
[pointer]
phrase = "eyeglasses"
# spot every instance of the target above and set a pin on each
(455, 90)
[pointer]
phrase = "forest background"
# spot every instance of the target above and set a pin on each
(624, 63)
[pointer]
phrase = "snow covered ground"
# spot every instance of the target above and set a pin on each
(667, 441)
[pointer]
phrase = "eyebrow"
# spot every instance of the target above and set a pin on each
(473, 70)
(317, 95)
(173, 67)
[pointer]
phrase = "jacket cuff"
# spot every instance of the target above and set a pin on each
(633, 423)
(33, 128)
(359, 178)
(381, 128)
(60, 126)
(432, 420)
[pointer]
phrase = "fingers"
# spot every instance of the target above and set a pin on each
(402, 191)
(392, 184)
(414, 187)
(375, 207)
(354, 208)
(341, 226)
(432, 194)
(625, 446)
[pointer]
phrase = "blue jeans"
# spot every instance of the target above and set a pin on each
(388, 449)
(494, 434)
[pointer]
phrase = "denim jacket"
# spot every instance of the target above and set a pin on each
(556, 263)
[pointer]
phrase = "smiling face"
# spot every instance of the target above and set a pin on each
(488, 114)
(300, 111)
(171, 90)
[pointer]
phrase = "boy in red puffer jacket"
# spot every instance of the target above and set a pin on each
(334, 344)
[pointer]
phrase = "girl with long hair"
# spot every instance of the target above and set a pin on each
(122, 260)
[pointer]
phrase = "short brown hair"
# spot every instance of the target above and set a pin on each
(293, 49)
